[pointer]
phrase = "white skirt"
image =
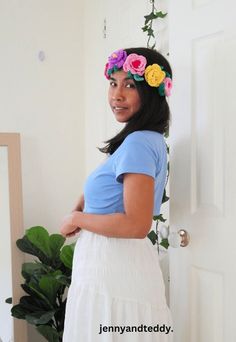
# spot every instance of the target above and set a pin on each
(117, 292)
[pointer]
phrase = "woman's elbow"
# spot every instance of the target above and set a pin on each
(142, 231)
(138, 228)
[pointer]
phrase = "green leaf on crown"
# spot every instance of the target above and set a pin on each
(138, 78)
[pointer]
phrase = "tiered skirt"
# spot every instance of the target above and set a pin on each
(117, 292)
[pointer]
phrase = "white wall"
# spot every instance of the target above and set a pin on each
(43, 101)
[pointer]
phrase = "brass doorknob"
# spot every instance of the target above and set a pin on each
(179, 239)
(185, 238)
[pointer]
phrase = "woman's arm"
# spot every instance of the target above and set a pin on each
(134, 223)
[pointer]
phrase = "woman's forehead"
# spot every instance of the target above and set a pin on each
(120, 75)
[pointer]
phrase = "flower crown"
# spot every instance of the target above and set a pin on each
(135, 66)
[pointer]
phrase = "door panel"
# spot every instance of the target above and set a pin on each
(203, 169)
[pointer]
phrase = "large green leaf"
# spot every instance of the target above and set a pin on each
(31, 268)
(49, 286)
(27, 247)
(8, 300)
(49, 333)
(33, 304)
(19, 312)
(67, 255)
(63, 280)
(56, 241)
(38, 291)
(27, 289)
(40, 317)
(39, 237)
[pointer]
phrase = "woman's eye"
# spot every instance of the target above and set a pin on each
(112, 84)
(130, 85)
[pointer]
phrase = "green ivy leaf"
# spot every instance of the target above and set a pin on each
(150, 32)
(160, 15)
(159, 218)
(165, 198)
(164, 243)
(149, 17)
(145, 28)
(153, 237)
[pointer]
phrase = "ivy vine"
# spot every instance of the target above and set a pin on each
(151, 43)
(154, 15)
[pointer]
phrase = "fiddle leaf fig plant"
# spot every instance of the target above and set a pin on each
(46, 280)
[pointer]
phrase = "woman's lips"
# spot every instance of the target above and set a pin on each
(118, 109)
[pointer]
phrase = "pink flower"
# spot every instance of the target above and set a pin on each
(135, 64)
(117, 58)
(106, 71)
(168, 86)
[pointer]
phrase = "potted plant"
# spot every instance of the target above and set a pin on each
(46, 280)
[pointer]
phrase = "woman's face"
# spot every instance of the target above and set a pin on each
(123, 96)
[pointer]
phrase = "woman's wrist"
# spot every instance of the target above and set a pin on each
(75, 218)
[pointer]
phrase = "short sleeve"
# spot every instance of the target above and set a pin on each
(137, 156)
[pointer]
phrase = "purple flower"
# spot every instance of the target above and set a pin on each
(117, 58)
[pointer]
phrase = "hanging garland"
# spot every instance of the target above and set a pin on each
(154, 15)
(151, 43)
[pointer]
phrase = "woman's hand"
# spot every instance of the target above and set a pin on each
(68, 227)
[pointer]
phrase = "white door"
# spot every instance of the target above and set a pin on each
(203, 169)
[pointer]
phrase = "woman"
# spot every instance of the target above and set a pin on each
(117, 291)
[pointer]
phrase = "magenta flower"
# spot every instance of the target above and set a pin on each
(117, 58)
(106, 71)
(135, 64)
(168, 86)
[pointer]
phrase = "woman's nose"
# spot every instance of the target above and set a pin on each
(118, 94)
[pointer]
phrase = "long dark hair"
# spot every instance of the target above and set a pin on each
(154, 114)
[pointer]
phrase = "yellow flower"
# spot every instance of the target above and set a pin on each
(154, 75)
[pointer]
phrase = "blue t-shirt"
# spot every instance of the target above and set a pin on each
(141, 152)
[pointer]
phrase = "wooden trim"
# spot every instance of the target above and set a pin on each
(12, 141)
